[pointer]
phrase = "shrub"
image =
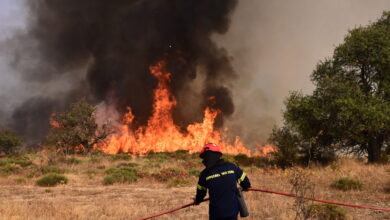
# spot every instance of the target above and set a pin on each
(161, 156)
(8, 140)
(101, 167)
(327, 212)
(94, 159)
(116, 157)
(20, 180)
(127, 165)
(194, 172)
(120, 175)
(9, 168)
(20, 162)
(52, 180)
(243, 160)
(90, 173)
(49, 169)
(72, 161)
(229, 158)
(287, 143)
(173, 176)
(165, 174)
(347, 184)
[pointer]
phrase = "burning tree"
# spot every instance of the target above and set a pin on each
(75, 130)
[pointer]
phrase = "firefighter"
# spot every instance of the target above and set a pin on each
(220, 178)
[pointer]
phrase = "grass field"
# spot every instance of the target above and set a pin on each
(120, 187)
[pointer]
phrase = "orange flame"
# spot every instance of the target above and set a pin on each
(161, 134)
(52, 121)
(264, 151)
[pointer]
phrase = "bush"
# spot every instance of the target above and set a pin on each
(116, 157)
(327, 212)
(49, 169)
(22, 163)
(347, 184)
(9, 168)
(72, 161)
(194, 172)
(8, 140)
(120, 175)
(288, 144)
(165, 174)
(20, 180)
(52, 180)
(173, 176)
(161, 156)
(127, 165)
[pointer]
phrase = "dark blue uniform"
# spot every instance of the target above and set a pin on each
(221, 181)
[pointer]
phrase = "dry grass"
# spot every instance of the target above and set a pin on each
(85, 196)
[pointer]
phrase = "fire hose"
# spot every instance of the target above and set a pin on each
(278, 193)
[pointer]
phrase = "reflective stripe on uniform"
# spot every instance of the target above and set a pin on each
(241, 178)
(201, 187)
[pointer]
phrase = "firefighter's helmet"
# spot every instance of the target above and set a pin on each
(210, 147)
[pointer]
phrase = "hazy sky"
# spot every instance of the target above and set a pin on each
(275, 45)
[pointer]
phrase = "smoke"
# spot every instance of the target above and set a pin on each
(103, 49)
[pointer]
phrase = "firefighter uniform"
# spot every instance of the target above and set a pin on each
(221, 182)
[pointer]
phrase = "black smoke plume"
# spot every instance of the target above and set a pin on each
(115, 42)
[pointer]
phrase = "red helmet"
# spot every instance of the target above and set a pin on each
(210, 147)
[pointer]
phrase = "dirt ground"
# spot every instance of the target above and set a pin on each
(85, 196)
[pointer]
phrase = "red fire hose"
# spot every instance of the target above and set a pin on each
(279, 193)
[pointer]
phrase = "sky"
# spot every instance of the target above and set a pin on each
(274, 45)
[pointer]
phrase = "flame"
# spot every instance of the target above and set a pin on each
(161, 134)
(264, 151)
(53, 122)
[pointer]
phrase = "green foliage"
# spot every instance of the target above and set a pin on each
(20, 180)
(52, 180)
(120, 175)
(194, 172)
(288, 147)
(349, 109)
(20, 162)
(347, 184)
(72, 161)
(127, 165)
(9, 169)
(90, 173)
(229, 158)
(116, 157)
(172, 176)
(101, 167)
(8, 141)
(49, 169)
(74, 128)
(327, 212)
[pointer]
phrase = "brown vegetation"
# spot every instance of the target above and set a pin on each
(164, 181)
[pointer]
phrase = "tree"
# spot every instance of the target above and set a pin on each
(76, 129)
(8, 140)
(349, 109)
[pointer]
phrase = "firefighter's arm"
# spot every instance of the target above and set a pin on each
(201, 190)
(243, 180)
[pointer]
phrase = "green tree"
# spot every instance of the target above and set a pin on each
(74, 128)
(8, 140)
(349, 109)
